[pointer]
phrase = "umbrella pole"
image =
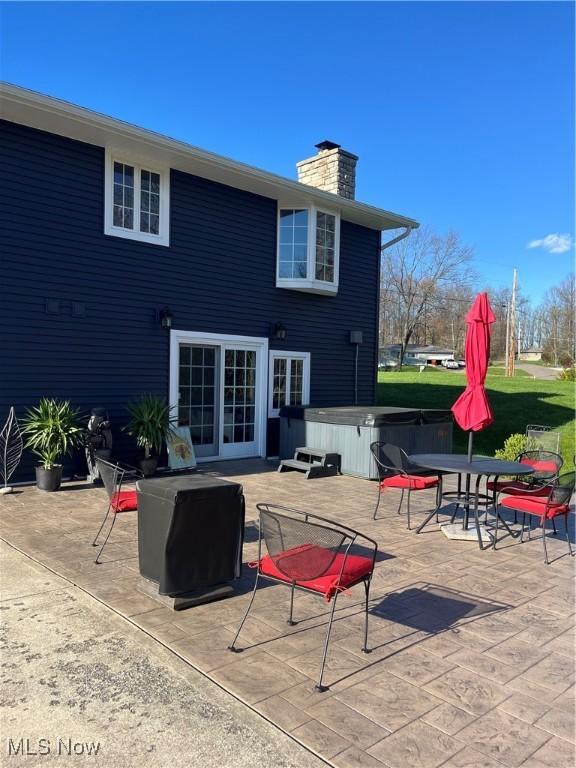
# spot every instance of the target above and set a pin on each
(468, 478)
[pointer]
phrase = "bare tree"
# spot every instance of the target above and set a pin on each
(558, 323)
(500, 303)
(415, 274)
(445, 319)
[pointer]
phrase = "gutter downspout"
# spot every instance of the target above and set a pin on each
(408, 229)
(356, 375)
(401, 236)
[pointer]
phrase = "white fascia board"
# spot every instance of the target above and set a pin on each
(20, 105)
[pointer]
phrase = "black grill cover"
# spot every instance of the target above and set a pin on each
(190, 532)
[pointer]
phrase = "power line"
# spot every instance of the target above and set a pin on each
(423, 296)
(439, 300)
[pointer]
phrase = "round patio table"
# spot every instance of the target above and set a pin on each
(481, 466)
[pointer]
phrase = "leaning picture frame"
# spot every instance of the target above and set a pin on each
(181, 454)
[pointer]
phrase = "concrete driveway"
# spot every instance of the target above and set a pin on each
(80, 685)
(539, 371)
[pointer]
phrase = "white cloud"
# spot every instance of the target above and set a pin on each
(553, 243)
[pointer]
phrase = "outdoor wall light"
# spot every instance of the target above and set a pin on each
(279, 332)
(165, 318)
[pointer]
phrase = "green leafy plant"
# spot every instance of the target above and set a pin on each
(568, 374)
(150, 423)
(53, 430)
(515, 445)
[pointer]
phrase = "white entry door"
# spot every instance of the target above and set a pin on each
(239, 392)
(232, 424)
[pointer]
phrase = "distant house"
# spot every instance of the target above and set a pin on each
(416, 354)
(532, 353)
(134, 263)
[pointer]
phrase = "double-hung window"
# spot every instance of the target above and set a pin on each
(289, 380)
(137, 200)
(308, 249)
(325, 246)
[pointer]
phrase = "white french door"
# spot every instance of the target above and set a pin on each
(218, 390)
(238, 424)
(199, 396)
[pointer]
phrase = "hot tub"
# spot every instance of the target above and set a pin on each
(350, 430)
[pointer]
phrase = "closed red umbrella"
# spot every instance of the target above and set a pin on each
(472, 410)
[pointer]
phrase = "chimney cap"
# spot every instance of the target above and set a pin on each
(327, 145)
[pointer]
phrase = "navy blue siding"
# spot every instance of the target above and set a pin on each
(218, 275)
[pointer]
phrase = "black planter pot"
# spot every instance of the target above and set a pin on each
(49, 479)
(148, 466)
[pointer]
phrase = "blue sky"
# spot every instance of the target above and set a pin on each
(461, 113)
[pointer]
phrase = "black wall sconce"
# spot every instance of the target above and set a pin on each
(279, 332)
(165, 317)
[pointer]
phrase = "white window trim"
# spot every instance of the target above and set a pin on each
(310, 284)
(163, 238)
(260, 345)
(281, 354)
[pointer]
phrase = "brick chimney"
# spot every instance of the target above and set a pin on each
(332, 169)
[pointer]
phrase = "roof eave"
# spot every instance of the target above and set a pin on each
(36, 110)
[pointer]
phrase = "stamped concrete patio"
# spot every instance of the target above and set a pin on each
(472, 660)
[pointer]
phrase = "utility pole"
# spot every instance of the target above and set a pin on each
(512, 331)
(506, 354)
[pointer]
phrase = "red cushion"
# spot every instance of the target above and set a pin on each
(549, 467)
(516, 486)
(413, 482)
(301, 562)
(534, 506)
(125, 501)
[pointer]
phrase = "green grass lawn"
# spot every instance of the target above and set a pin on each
(496, 371)
(516, 402)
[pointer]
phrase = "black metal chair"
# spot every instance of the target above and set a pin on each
(547, 466)
(542, 438)
(545, 502)
(313, 554)
(118, 500)
(395, 471)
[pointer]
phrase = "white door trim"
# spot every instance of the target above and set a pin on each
(259, 344)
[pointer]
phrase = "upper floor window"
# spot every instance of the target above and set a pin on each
(325, 246)
(308, 249)
(137, 201)
(293, 243)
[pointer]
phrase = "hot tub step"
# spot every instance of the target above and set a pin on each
(314, 462)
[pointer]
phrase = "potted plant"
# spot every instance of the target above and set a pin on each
(150, 424)
(52, 430)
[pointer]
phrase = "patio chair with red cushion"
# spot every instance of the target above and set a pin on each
(119, 499)
(313, 554)
(395, 471)
(547, 466)
(545, 503)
